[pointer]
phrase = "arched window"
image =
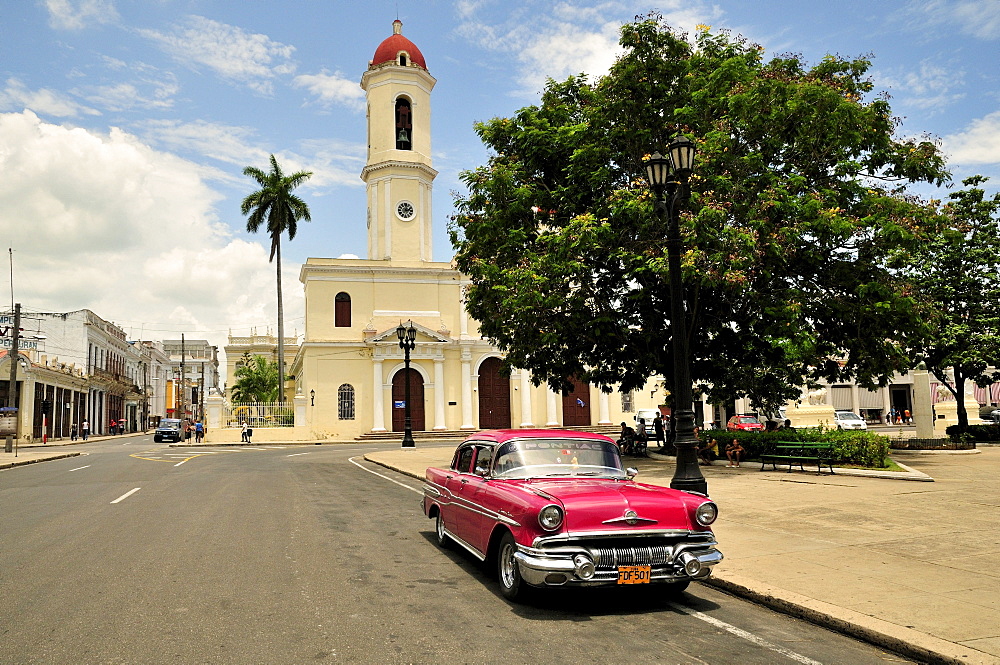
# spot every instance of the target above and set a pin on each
(342, 310)
(345, 402)
(402, 59)
(404, 125)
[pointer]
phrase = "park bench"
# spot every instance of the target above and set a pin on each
(799, 452)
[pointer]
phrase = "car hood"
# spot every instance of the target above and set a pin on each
(599, 505)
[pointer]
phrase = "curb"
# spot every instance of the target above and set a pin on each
(11, 465)
(901, 640)
(909, 474)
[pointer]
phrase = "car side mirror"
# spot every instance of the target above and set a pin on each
(482, 471)
(631, 472)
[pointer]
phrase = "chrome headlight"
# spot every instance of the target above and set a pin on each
(706, 513)
(550, 517)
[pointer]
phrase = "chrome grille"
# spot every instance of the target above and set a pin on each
(636, 555)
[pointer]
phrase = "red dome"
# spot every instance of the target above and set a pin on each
(389, 49)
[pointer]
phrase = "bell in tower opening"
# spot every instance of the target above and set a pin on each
(404, 126)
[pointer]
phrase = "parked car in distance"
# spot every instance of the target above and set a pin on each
(648, 415)
(555, 508)
(745, 424)
(169, 429)
(849, 420)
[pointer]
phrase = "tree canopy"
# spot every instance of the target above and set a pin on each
(957, 273)
(256, 380)
(799, 195)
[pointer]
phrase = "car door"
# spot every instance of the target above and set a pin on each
(457, 516)
(481, 499)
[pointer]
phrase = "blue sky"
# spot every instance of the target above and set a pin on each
(125, 124)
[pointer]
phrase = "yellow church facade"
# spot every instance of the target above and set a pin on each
(349, 362)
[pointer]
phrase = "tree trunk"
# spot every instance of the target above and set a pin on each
(281, 328)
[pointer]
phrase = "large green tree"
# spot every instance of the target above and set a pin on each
(256, 380)
(957, 273)
(275, 208)
(798, 195)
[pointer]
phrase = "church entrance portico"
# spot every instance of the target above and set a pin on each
(399, 400)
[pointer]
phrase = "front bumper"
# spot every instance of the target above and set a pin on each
(595, 564)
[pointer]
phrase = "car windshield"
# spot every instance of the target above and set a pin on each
(750, 420)
(848, 416)
(170, 424)
(550, 458)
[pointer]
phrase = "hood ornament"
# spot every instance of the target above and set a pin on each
(631, 518)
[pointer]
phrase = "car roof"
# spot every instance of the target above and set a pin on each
(505, 435)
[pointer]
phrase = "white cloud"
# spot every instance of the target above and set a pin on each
(333, 89)
(242, 57)
(556, 40)
(332, 162)
(105, 222)
(978, 144)
(16, 97)
(70, 15)
(932, 86)
(978, 18)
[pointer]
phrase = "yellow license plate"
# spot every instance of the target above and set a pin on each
(633, 574)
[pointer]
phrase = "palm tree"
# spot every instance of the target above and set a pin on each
(275, 205)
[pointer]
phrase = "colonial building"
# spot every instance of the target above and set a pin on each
(350, 362)
(191, 373)
(75, 367)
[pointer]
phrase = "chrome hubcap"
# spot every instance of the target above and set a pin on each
(507, 566)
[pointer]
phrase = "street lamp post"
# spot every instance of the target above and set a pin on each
(407, 337)
(668, 176)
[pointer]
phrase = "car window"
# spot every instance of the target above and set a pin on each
(557, 457)
(463, 461)
(483, 456)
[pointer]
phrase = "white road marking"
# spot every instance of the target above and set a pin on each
(746, 635)
(126, 495)
(376, 473)
(296, 454)
(80, 467)
(182, 461)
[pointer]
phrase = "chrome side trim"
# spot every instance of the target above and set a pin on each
(542, 541)
(472, 550)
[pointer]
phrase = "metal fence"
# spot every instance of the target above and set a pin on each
(258, 414)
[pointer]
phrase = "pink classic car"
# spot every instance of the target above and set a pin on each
(552, 508)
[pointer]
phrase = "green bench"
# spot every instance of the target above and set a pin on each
(799, 452)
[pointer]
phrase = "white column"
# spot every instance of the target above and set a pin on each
(378, 407)
(603, 409)
(439, 423)
(467, 390)
(526, 399)
(551, 407)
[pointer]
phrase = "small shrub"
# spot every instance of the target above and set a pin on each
(857, 447)
(974, 433)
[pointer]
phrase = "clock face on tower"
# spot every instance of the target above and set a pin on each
(405, 211)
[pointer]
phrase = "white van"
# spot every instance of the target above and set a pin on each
(647, 415)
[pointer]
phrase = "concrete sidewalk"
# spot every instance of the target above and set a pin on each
(43, 452)
(909, 566)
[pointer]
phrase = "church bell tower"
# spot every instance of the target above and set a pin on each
(398, 172)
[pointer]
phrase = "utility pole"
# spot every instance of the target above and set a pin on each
(183, 413)
(12, 400)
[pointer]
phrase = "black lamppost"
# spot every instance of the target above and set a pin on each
(407, 337)
(669, 179)
(312, 398)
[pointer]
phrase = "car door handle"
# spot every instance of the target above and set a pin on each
(465, 480)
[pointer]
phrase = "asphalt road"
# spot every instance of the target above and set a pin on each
(139, 553)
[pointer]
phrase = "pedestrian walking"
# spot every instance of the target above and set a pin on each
(658, 430)
(72, 432)
(199, 432)
(244, 433)
(85, 430)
